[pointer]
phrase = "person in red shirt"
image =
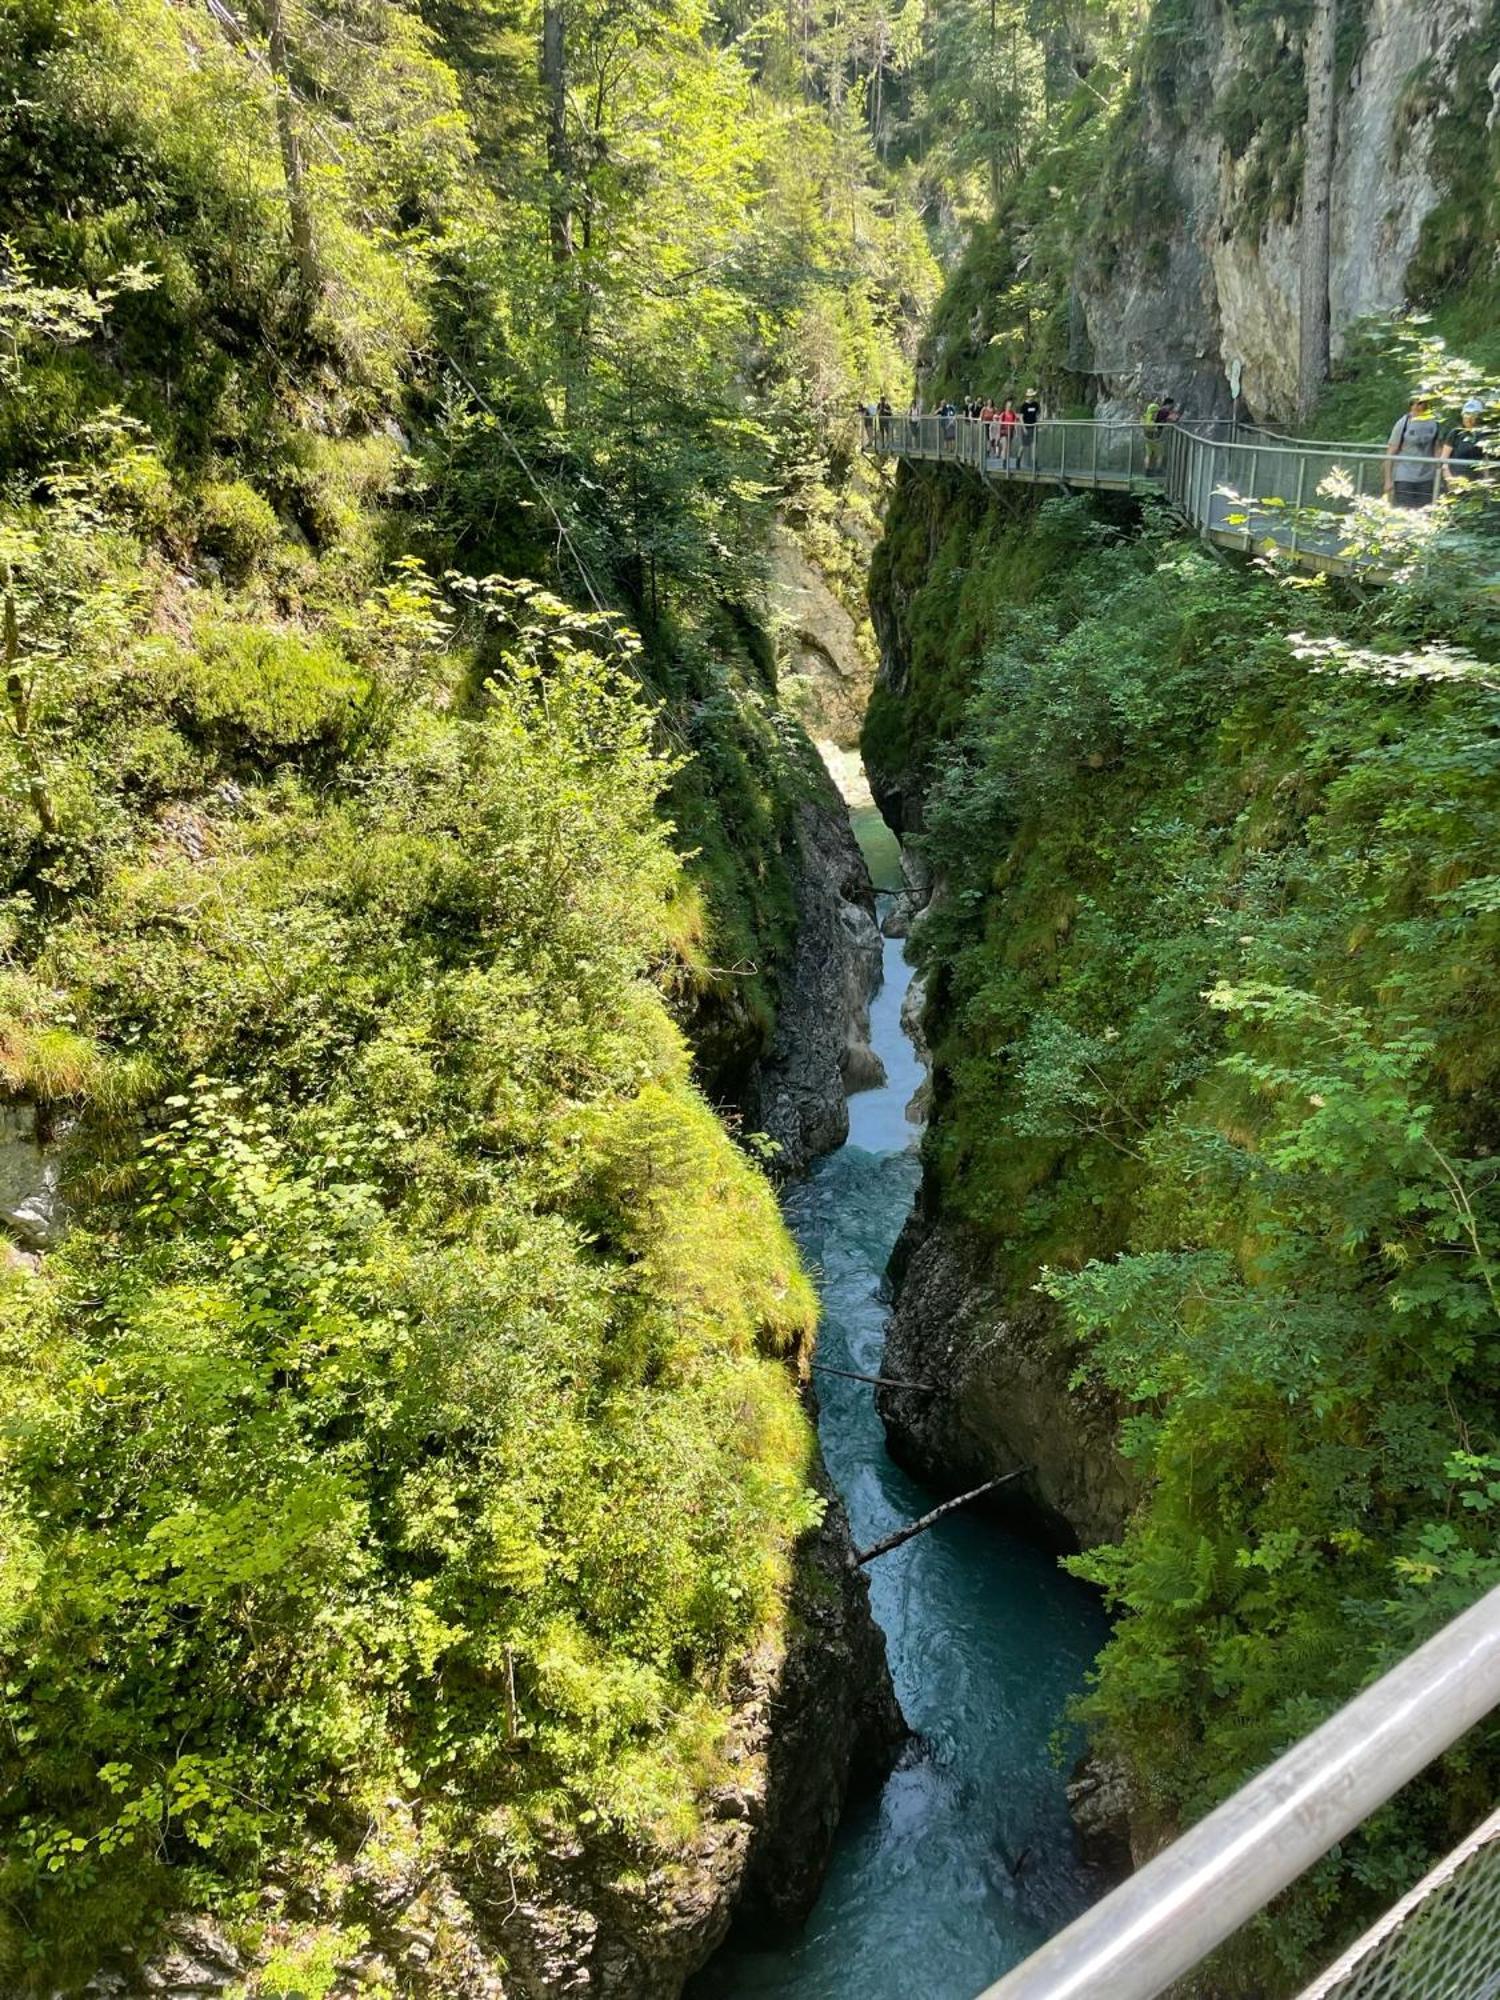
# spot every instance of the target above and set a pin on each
(1008, 424)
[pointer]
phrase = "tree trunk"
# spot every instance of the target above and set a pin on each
(926, 1521)
(555, 82)
(303, 248)
(1317, 198)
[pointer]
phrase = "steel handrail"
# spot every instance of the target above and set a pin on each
(1171, 1914)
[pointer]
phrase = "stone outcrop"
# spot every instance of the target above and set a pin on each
(821, 1049)
(821, 643)
(1003, 1393)
(1206, 279)
(816, 1720)
(30, 1173)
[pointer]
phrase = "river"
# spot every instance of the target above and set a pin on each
(964, 1863)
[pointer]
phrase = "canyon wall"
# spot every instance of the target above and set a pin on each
(1206, 270)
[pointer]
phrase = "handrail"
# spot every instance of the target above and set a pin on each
(1237, 490)
(1171, 1914)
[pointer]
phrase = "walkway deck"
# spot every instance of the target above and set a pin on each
(1239, 488)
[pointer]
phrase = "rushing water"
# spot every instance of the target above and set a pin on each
(964, 1863)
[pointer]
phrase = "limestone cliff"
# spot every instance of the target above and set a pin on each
(1002, 1398)
(1208, 271)
(821, 1046)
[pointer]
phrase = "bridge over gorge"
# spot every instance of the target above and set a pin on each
(1240, 487)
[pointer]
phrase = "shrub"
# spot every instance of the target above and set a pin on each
(269, 697)
(235, 527)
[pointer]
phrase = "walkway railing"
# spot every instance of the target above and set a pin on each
(1441, 1942)
(1238, 487)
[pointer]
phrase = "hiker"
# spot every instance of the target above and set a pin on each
(883, 415)
(1411, 457)
(988, 417)
(914, 422)
(1031, 416)
(949, 415)
(1466, 447)
(1151, 430)
(1008, 424)
(867, 421)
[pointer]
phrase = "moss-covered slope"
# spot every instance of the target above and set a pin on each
(1211, 971)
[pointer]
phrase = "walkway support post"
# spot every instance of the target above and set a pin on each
(1170, 1915)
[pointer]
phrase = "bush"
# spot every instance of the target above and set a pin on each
(269, 697)
(234, 527)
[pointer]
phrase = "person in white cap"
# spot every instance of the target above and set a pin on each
(1466, 445)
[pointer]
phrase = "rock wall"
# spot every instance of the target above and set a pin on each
(819, 642)
(1003, 1398)
(30, 1173)
(1203, 285)
(821, 1048)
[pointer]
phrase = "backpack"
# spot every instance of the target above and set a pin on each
(1418, 439)
(1467, 446)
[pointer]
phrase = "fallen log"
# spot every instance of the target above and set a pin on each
(918, 1527)
(879, 1381)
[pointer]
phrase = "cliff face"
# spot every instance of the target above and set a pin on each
(821, 1045)
(1209, 272)
(1002, 1400)
(815, 1720)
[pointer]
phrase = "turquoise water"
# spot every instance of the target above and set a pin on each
(964, 1862)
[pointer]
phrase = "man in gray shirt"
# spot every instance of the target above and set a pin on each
(1411, 467)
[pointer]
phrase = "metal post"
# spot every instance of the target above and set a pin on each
(1301, 484)
(1094, 453)
(1062, 470)
(1171, 1914)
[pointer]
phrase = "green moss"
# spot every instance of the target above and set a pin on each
(245, 690)
(235, 527)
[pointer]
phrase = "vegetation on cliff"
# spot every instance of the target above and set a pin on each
(1211, 978)
(401, 1450)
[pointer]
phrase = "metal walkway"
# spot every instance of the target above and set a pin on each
(1239, 488)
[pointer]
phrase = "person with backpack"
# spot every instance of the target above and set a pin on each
(1467, 446)
(1151, 429)
(883, 415)
(1411, 457)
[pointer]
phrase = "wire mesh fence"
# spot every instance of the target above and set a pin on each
(1440, 1942)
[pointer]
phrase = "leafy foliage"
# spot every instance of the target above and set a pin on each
(1212, 978)
(404, 1443)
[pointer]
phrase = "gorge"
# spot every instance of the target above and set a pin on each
(460, 1100)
